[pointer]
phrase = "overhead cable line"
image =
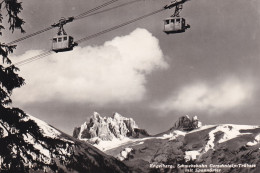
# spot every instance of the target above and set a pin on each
(94, 9)
(30, 35)
(26, 61)
(49, 28)
(29, 60)
(112, 8)
(118, 26)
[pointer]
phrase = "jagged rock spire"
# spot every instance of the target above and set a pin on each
(107, 128)
(187, 123)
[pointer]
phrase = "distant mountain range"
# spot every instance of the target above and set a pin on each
(186, 147)
(31, 145)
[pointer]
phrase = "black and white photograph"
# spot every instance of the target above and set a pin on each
(130, 86)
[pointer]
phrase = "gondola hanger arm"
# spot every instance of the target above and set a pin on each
(174, 3)
(63, 21)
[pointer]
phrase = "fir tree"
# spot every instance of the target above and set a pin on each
(9, 79)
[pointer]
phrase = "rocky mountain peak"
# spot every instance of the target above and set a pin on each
(117, 116)
(96, 118)
(186, 123)
(108, 128)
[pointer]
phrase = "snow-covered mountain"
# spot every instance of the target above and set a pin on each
(31, 145)
(225, 148)
(108, 132)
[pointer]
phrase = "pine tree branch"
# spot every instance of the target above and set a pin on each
(2, 124)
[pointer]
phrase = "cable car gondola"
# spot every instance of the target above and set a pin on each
(62, 42)
(175, 25)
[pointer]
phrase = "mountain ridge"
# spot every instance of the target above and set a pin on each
(223, 144)
(34, 146)
(188, 142)
(104, 132)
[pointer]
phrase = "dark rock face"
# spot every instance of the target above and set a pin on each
(76, 132)
(139, 133)
(107, 128)
(186, 123)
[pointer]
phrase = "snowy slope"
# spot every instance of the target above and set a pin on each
(217, 144)
(187, 142)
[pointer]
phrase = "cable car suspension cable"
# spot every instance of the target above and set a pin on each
(51, 27)
(83, 15)
(26, 61)
(118, 26)
(29, 60)
(94, 9)
(121, 5)
(30, 35)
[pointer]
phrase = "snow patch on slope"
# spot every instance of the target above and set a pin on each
(255, 142)
(173, 135)
(46, 129)
(115, 142)
(140, 143)
(125, 153)
(230, 131)
(191, 155)
(29, 139)
(202, 128)
(107, 145)
(233, 131)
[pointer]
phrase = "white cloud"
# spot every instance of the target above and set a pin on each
(219, 97)
(112, 73)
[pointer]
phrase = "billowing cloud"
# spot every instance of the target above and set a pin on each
(112, 73)
(225, 95)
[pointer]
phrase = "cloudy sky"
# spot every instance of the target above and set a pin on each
(211, 70)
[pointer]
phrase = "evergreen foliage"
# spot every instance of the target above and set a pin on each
(9, 79)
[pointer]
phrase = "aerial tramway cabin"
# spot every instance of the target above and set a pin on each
(175, 25)
(62, 43)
